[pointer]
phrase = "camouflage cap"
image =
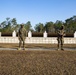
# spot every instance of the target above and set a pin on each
(22, 25)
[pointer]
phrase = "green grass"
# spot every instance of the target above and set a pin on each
(37, 62)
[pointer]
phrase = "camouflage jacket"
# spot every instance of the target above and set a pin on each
(61, 33)
(22, 32)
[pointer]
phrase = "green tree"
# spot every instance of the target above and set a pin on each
(8, 25)
(70, 24)
(3, 24)
(28, 26)
(49, 27)
(14, 24)
(57, 25)
(39, 27)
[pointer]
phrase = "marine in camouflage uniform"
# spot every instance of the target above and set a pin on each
(60, 38)
(22, 36)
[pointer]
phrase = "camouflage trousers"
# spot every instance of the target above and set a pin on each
(60, 43)
(21, 40)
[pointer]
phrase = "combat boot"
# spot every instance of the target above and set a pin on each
(19, 48)
(62, 48)
(24, 48)
(58, 49)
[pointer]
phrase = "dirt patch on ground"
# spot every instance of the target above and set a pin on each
(10, 45)
(37, 62)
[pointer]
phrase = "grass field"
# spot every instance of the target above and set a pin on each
(13, 62)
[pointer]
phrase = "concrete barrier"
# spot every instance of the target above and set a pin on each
(37, 40)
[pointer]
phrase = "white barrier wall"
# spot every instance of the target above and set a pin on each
(37, 40)
(75, 34)
(45, 34)
(0, 34)
(14, 33)
(29, 34)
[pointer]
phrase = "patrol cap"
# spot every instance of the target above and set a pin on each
(22, 25)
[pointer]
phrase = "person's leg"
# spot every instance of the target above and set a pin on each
(24, 43)
(20, 42)
(62, 41)
(58, 44)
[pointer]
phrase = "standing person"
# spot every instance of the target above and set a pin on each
(22, 36)
(60, 38)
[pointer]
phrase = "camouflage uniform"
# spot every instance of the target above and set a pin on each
(60, 38)
(22, 36)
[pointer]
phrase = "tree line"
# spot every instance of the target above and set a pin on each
(10, 25)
